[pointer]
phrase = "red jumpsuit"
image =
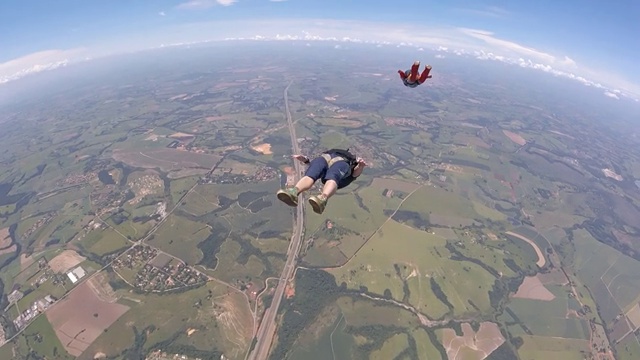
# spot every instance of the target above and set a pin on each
(410, 77)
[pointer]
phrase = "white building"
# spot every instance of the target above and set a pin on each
(72, 277)
(76, 274)
(79, 272)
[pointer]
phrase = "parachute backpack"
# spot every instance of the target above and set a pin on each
(347, 156)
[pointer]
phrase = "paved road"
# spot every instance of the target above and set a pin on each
(268, 327)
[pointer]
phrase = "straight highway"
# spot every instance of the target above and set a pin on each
(268, 326)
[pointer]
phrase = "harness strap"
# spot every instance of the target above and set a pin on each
(331, 161)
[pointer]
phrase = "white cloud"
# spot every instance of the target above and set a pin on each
(161, 13)
(204, 4)
(612, 95)
(476, 43)
(568, 61)
(507, 45)
(39, 61)
(439, 56)
(480, 44)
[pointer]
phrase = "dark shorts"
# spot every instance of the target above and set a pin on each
(338, 172)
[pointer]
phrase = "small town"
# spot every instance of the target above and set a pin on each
(39, 223)
(107, 199)
(76, 179)
(143, 186)
(162, 355)
(262, 174)
(138, 255)
(157, 272)
(34, 310)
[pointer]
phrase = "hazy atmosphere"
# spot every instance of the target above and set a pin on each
(158, 197)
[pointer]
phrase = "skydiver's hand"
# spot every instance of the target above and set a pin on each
(361, 162)
(301, 158)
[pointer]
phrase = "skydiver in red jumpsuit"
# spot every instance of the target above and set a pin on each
(410, 77)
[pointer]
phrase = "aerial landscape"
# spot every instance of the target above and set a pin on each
(497, 217)
(140, 218)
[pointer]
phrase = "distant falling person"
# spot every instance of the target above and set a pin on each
(410, 77)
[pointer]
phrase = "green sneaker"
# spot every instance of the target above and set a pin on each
(288, 196)
(318, 203)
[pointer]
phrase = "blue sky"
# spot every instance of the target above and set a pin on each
(588, 38)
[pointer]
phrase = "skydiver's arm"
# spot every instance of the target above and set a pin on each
(302, 158)
(402, 74)
(357, 171)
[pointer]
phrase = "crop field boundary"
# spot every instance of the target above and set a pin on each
(378, 229)
(607, 284)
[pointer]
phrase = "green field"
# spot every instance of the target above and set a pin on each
(360, 222)
(628, 348)
(241, 244)
(271, 244)
(391, 348)
(533, 235)
(105, 241)
(544, 348)
(46, 288)
(202, 200)
(6, 351)
(229, 269)
(219, 315)
(332, 343)
(179, 187)
(324, 254)
(364, 220)
(66, 224)
(486, 212)
(425, 348)
(549, 318)
(443, 207)
(27, 223)
(395, 243)
(136, 230)
(571, 328)
(612, 278)
(180, 237)
(367, 313)
(39, 337)
(30, 273)
(129, 229)
(508, 258)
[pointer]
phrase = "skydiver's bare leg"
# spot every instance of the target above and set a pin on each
(329, 189)
(414, 71)
(425, 74)
(304, 184)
